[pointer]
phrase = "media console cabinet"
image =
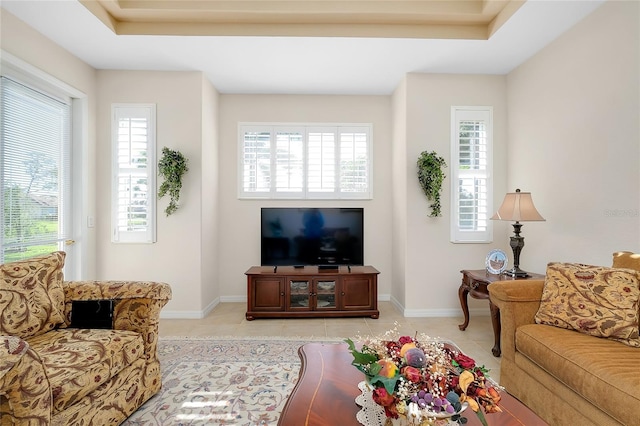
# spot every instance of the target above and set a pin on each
(306, 292)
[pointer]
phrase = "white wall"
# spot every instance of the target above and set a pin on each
(574, 140)
(176, 257)
(240, 219)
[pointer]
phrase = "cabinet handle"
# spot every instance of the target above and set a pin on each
(282, 294)
(342, 294)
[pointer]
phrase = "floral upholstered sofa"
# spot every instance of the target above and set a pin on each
(571, 344)
(52, 374)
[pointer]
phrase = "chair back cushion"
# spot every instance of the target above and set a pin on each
(595, 300)
(31, 295)
(626, 259)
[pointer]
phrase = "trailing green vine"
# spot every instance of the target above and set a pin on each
(172, 166)
(431, 176)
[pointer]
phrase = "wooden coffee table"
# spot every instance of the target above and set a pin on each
(328, 385)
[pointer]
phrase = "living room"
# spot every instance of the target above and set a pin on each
(566, 129)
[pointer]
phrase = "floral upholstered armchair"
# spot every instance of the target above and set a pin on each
(53, 374)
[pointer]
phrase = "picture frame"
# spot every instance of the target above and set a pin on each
(496, 262)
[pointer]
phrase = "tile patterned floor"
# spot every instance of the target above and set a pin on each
(227, 319)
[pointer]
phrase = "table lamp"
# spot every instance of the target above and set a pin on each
(517, 206)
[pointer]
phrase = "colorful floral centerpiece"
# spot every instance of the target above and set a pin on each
(418, 380)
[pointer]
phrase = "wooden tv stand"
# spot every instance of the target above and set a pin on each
(307, 292)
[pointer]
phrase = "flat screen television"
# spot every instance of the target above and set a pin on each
(312, 236)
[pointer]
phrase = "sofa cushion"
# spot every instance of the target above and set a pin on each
(78, 361)
(602, 371)
(595, 300)
(31, 295)
(626, 259)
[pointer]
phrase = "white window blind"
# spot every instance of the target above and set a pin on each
(35, 171)
(471, 154)
(305, 161)
(133, 188)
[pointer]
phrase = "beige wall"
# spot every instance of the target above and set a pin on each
(574, 140)
(240, 219)
(176, 257)
(432, 262)
(210, 291)
(399, 194)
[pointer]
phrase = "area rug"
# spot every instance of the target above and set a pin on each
(222, 381)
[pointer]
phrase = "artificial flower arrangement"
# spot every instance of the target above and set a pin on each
(422, 379)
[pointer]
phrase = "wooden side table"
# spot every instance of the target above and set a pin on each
(476, 282)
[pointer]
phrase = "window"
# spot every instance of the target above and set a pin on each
(133, 188)
(471, 185)
(305, 161)
(35, 148)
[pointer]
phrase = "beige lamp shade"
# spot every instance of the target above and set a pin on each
(518, 206)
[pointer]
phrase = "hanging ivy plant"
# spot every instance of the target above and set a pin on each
(431, 176)
(172, 166)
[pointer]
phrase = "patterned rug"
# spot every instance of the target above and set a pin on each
(222, 381)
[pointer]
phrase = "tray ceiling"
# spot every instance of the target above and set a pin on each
(431, 19)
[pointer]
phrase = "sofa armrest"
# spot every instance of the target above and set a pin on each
(25, 393)
(518, 302)
(137, 305)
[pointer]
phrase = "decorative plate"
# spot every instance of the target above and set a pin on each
(496, 261)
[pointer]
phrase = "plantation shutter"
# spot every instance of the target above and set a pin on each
(471, 158)
(354, 161)
(289, 161)
(321, 154)
(304, 162)
(134, 174)
(35, 171)
(256, 161)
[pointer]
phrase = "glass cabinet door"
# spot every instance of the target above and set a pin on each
(300, 293)
(325, 293)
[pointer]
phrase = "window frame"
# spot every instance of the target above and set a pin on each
(474, 113)
(148, 235)
(305, 129)
(77, 204)
(25, 89)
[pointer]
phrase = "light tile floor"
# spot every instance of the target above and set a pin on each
(227, 319)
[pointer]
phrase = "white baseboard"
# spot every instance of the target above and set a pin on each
(408, 313)
(437, 313)
(233, 299)
(164, 314)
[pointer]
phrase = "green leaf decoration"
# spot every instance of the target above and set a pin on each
(368, 364)
(431, 176)
(172, 166)
(481, 417)
(389, 383)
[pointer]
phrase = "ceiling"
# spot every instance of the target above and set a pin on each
(468, 19)
(303, 46)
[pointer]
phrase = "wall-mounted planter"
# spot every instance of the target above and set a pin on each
(431, 176)
(172, 166)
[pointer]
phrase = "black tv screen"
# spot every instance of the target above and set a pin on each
(312, 236)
